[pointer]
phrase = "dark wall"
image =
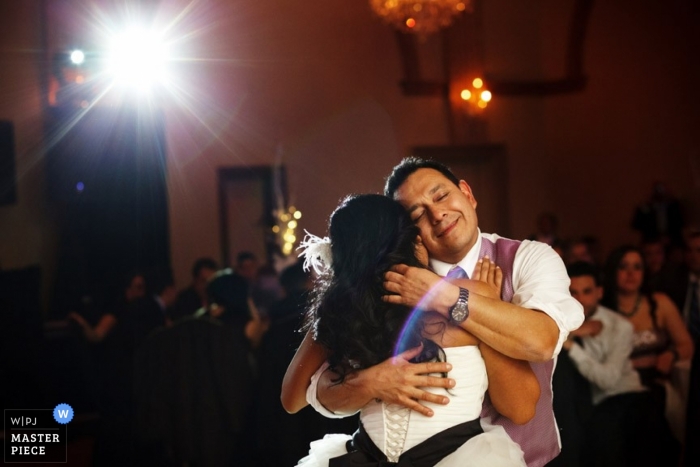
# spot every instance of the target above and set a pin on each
(106, 184)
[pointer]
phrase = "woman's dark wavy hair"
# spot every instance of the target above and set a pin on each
(369, 234)
(610, 277)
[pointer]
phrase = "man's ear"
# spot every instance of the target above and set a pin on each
(467, 190)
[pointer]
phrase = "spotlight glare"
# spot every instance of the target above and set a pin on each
(77, 57)
(138, 58)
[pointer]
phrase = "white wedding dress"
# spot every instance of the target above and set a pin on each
(395, 429)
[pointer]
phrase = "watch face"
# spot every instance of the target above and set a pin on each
(459, 312)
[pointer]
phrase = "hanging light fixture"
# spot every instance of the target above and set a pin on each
(419, 16)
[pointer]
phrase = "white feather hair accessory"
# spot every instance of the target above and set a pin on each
(316, 252)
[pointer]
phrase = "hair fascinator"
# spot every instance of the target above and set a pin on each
(316, 252)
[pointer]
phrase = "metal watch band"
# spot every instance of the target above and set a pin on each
(459, 312)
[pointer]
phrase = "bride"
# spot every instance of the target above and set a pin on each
(350, 327)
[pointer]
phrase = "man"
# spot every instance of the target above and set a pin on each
(600, 350)
(194, 297)
(530, 322)
(247, 265)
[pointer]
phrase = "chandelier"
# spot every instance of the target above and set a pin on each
(419, 16)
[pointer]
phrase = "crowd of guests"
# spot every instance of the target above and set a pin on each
(624, 390)
(193, 376)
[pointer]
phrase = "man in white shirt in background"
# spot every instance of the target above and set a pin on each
(621, 426)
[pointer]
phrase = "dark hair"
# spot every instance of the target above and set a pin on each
(369, 234)
(584, 268)
(230, 291)
(294, 278)
(610, 277)
(158, 279)
(409, 165)
(203, 263)
(129, 277)
(244, 256)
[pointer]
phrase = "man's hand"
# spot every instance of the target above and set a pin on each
(591, 327)
(411, 286)
(397, 381)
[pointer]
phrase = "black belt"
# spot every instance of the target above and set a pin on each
(362, 452)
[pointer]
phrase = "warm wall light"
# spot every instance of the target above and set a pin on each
(478, 97)
(285, 228)
(420, 16)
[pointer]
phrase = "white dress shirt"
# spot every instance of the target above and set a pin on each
(604, 358)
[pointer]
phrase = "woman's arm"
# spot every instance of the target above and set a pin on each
(256, 327)
(308, 358)
(513, 386)
(101, 329)
(672, 322)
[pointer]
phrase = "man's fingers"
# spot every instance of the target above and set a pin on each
(399, 268)
(395, 299)
(423, 396)
(410, 353)
(391, 276)
(437, 382)
(414, 405)
(390, 286)
(431, 367)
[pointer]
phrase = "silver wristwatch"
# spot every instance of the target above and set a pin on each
(459, 312)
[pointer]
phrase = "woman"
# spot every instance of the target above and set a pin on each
(660, 336)
(353, 328)
(134, 288)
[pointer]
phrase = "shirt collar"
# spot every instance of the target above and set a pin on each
(467, 263)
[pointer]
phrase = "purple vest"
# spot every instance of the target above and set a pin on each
(538, 438)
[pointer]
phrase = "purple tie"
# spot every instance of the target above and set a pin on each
(457, 273)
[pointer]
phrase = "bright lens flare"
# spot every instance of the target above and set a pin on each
(138, 58)
(77, 57)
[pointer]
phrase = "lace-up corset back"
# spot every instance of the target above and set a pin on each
(395, 429)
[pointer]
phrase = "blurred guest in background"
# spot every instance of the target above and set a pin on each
(134, 289)
(661, 339)
(194, 297)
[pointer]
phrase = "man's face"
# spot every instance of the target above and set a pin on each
(248, 268)
(136, 289)
(692, 255)
(444, 213)
(203, 276)
(588, 294)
